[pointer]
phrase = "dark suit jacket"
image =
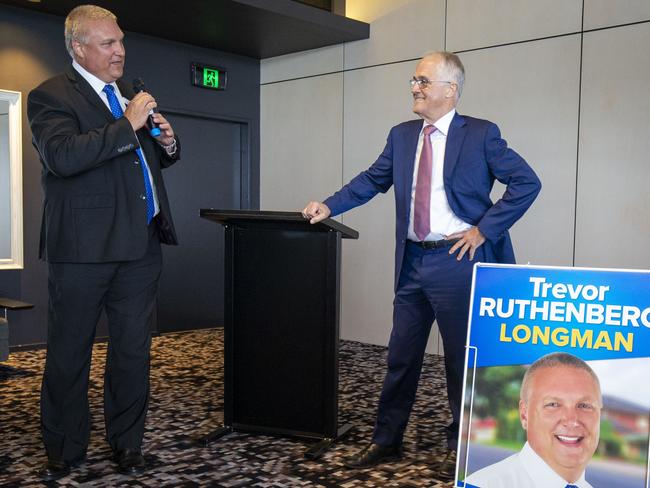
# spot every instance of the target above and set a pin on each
(94, 209)
(475, 155)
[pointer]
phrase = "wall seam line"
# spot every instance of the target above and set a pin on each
(575, 197)
(461, 51)
(343, 121)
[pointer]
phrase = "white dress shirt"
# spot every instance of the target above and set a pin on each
(443, 220)
(524, 469)
(98, 85)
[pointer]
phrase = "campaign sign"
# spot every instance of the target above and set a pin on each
(520, 314)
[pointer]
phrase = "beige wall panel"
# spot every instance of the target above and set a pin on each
(613, 227)
(301, 137)
(297, 65)
(404, 33)
(472, 24)
(371, 10)
(375, 100)
(531, 91)
(604, 13)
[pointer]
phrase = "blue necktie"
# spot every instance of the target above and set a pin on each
(571, 486)
(117, 112)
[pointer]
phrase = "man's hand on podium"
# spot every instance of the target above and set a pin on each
(316, 211)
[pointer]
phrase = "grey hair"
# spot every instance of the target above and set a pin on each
(452, 69)
(551, 361)
(75, 23)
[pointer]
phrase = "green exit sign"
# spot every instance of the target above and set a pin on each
(211, 77)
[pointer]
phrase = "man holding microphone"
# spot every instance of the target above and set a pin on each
(105, 214)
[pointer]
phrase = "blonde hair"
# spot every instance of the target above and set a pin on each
(75, 23)
(551, 361)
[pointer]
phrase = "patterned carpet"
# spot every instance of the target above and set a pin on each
(187, 401)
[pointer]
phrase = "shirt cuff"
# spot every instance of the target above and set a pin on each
(170, 149)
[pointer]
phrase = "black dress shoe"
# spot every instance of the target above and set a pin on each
(372, 455)
(54, 469)
(130, 461)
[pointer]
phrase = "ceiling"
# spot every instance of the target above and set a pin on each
(256, 28)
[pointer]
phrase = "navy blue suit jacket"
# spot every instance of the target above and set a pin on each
(475, 155)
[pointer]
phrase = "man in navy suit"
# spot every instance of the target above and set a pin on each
(442, 169)
(105, 214)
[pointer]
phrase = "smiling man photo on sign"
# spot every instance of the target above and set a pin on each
(559, 408)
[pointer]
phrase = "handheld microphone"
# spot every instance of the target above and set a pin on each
(138, 86)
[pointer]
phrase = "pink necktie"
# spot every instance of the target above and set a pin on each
(422, 204)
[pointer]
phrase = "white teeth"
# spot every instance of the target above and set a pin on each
(565, 438)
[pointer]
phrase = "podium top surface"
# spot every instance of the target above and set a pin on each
(10, 304)
(235, 216)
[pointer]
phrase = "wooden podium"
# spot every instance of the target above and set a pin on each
(281, 330)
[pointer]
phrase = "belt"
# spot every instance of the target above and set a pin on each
(435, 244)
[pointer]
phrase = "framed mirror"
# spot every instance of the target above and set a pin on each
(11, 181)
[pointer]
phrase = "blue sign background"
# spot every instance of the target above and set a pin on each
(626, 288)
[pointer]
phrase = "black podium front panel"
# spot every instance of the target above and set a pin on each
(282, 329)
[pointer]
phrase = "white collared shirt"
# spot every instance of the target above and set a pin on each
(443, 220)
(524, 469)
(98, 85)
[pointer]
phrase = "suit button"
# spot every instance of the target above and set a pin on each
(136, 162)
(143, 197)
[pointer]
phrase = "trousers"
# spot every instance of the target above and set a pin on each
(78, 293)
(433, 285)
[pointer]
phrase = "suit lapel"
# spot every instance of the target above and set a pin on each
(407, 155)
(455, 137)
(128, 93)
(83, 87)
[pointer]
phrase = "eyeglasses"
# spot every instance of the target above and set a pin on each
(424, 82)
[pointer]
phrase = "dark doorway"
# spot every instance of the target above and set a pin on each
(212, 173)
